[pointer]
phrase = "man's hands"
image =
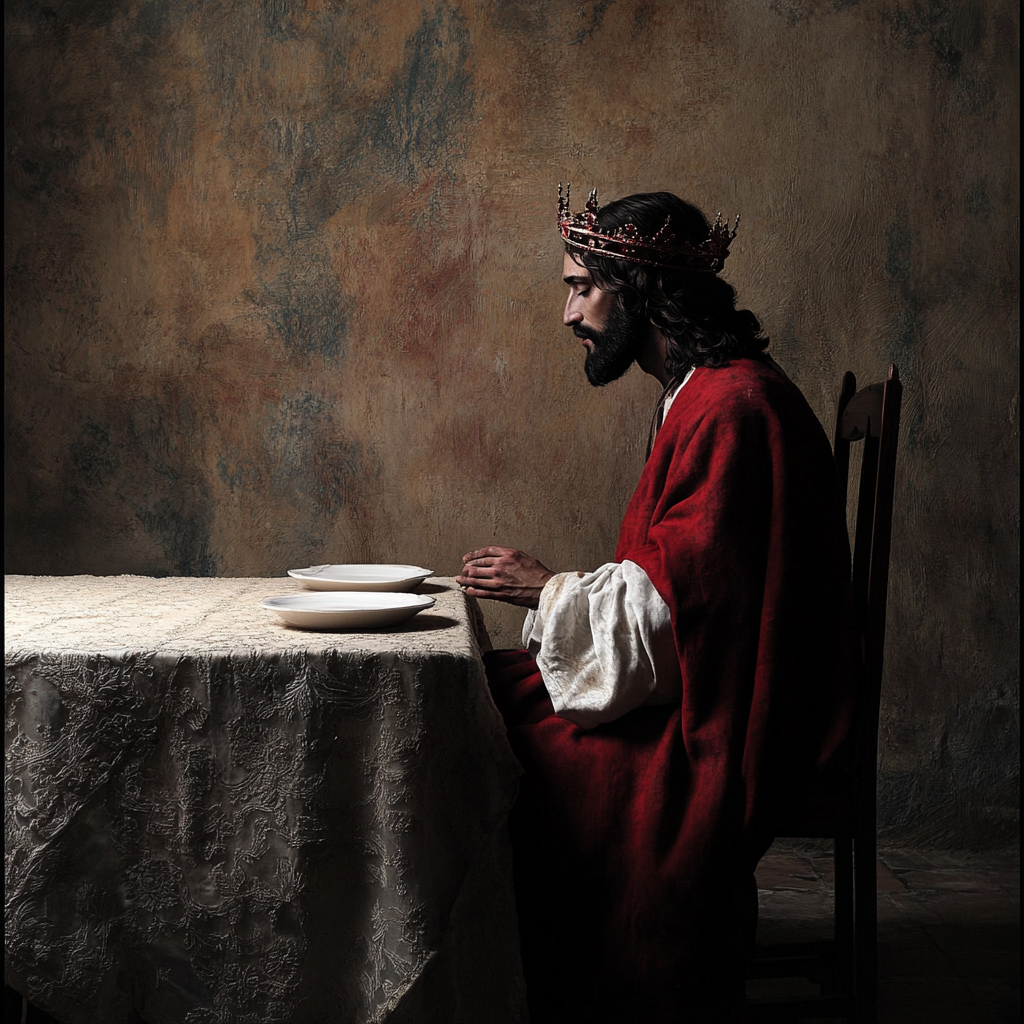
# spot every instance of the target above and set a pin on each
(504, 574)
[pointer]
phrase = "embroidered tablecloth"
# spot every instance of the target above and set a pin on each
(211, 817)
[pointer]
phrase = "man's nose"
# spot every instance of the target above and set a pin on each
(573, 314)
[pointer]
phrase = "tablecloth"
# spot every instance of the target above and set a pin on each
(214, 818)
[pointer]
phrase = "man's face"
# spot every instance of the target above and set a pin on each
(596, 317)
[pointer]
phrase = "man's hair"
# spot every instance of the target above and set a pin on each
(695, 310)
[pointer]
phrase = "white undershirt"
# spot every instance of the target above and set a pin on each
(603, 640)
(604, 644)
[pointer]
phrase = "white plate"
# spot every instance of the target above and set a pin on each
(361, 577)
(347, 611)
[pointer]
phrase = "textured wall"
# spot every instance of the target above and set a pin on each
(283, 287)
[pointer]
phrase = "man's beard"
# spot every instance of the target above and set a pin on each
(615, 347)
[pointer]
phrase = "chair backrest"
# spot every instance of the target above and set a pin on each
(871, 415)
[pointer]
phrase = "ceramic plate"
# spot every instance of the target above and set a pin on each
(347, 611)
(361, 577)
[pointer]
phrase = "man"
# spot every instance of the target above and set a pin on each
(671, 702)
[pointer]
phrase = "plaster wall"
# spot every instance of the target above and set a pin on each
(283, 287)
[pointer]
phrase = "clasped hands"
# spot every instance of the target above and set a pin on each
(504, 574)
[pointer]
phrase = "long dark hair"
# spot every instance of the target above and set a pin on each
(695, 311)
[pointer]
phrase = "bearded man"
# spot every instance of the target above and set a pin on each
(672, 702)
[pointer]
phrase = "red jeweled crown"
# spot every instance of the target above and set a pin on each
(626, 243)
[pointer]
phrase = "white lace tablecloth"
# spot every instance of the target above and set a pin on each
(211, 817)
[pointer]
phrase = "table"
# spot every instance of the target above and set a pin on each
(211, 817)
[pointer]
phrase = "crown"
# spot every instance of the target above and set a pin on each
(626, 243)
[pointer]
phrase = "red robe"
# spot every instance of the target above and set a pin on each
(635, 842)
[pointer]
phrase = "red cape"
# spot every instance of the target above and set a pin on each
(635, 842)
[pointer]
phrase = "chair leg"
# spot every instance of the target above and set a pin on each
(866, 930)
(844, 934)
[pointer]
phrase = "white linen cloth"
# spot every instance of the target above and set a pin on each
(213, 818)
(603, 640)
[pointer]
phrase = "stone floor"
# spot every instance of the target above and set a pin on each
(948, 928)
(948, 931)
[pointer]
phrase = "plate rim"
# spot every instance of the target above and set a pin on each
(304, 573)
(423, 601)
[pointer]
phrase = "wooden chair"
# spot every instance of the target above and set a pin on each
(846, 967)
